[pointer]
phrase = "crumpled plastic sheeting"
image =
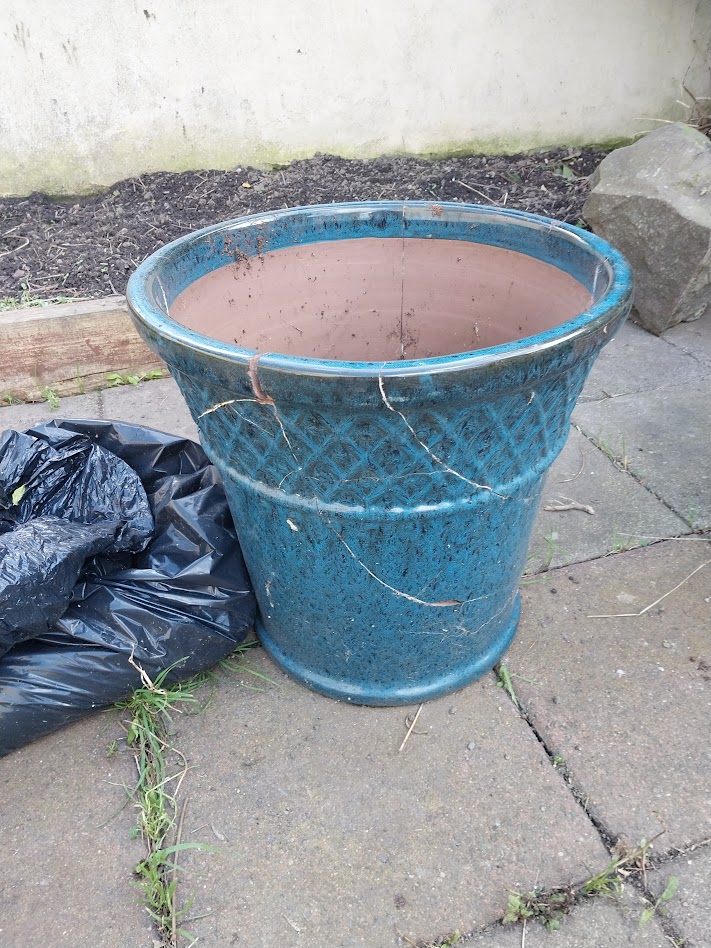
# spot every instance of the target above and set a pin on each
(160, 572)
(74, 500)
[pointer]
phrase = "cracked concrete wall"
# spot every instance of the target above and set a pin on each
(96, 91)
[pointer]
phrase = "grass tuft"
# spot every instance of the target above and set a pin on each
(148, 721)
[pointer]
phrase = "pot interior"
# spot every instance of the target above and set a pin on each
(376, 299)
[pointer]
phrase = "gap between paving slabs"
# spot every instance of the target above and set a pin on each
(121, 398)
(635, 774)
(614, 512)
(690, 909)
(608, 882)
(123, 395)
(662, 438)
(149, 718)
(335, 811)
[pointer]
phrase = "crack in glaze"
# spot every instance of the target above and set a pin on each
(444, 603)
(431, 453)
(230, 401)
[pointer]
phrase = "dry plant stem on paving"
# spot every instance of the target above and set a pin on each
(636, 615)
(161, 819)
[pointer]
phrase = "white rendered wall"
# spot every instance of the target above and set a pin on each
(93, 91)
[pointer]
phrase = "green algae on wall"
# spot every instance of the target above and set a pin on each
(63, 174)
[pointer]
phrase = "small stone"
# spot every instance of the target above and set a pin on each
(555, 699)
(453, 710)
(471, 746)
(667, 644)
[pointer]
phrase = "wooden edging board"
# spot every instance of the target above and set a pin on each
(68, 348)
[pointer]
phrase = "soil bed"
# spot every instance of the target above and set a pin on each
(88, 247)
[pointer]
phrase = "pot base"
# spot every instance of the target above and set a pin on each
(395, 692)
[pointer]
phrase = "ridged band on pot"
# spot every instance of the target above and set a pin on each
(384, 508)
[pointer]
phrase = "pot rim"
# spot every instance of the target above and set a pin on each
(615, 301)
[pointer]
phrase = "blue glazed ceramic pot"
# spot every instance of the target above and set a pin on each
(383, 387)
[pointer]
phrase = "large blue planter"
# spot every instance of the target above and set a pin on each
(384, 507)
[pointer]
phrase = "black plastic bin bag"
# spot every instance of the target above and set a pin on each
(115, 540)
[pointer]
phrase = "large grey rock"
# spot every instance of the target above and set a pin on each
(652, 200)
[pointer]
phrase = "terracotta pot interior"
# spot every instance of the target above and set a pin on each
(380, 299)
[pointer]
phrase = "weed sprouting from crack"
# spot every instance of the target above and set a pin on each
(550, 906)
(657, 906)
(547, 906)
(505, 682)
(619, 458)
(51, 397)
(116, 379)
(447, 942)
(150, 711)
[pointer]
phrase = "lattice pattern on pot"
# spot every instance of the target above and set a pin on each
(370, 457)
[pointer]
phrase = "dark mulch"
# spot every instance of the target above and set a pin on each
(90, 246)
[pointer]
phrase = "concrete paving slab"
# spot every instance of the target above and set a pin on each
(156, 404)
(334, 839)
(637, 361)
(665, 436)
(626, 702)
(624, 511)
(599, 923)
(694, 338)
(21, 417)
(690, 908)
(65, 872)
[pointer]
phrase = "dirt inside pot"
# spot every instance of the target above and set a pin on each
(380, 299)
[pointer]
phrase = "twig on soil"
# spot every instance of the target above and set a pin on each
(6, 253)
(410, 729)
(474, 190)
(636, 615)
